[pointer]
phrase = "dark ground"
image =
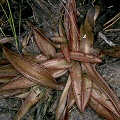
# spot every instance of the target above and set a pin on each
(46, 14)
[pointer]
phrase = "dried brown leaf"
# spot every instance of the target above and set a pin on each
(71, 98)
(6, 39)
(98, 80)
(31, 70)
(36, 58)
(4, 61)
(114, 52)
(8, 71)
(5, 79)
(44, 44)
(80, 56)
(22, 95)
(34, 96)
(76, 77)
(86, 91)
(103, 99)
(20, 82)
(11, 93)
(57, 63)
(101, 110)
(87, 35)
(59, 39)
(62, 101)
(57, 73)
(66, 52)
(71, 25)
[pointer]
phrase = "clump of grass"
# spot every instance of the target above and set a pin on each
(11, 22)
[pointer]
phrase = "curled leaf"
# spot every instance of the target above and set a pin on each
(34, 96)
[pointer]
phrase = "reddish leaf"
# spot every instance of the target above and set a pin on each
(86, 91)
(31, 70)
(44, 44)
(57, 73)
(71, 25)
(101, 110)
(57, 63)
(59, 39)
(62, 101)
(96, 78)
(64, 45)
(17, 83)
(80, 56)
(103, 99)
(65, 51)
(76, 77)
(36, 58)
